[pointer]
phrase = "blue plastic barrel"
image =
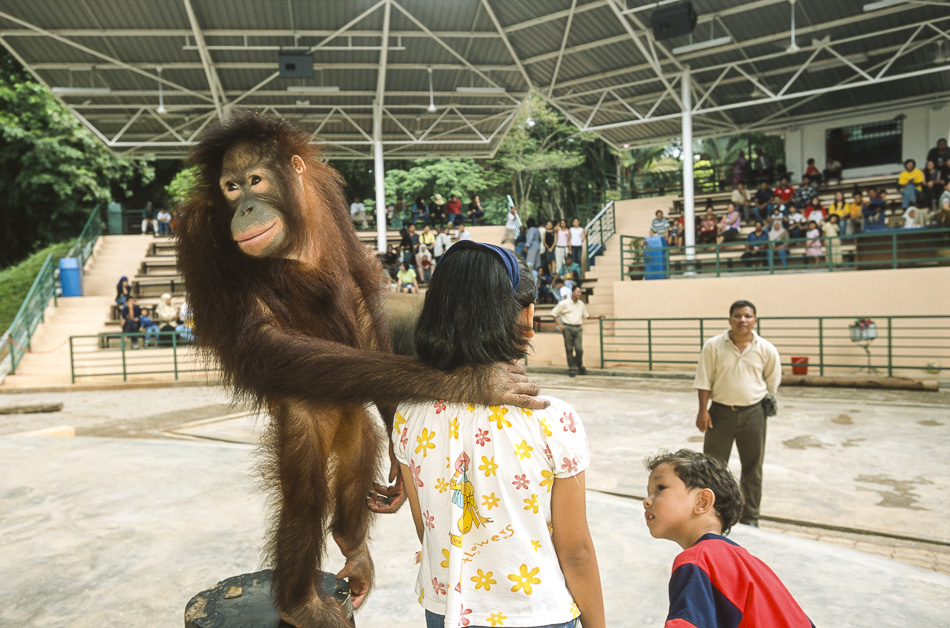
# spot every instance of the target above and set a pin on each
(655, 258)
(70, 277)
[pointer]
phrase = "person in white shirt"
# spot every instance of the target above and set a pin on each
(578, 233)
(442, 243)
(463, 234)
(358, 213)
(164, 218)
(569, 315)
(496, 493)
(512, 225)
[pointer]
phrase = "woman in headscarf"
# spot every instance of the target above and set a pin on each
(166, 314)
(123, 291)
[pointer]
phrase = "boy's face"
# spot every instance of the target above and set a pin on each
(669, 506)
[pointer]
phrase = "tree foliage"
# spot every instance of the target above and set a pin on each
(181, 185)
(461, 177)
(53, 171)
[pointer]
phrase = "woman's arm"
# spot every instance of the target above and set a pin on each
(410, 485)
(575, 549)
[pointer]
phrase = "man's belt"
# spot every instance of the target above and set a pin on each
(737, 408)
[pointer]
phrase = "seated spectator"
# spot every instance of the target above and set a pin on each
(814, 211)
(762, 198)
(778, 236)
(164, 218)
(185, 330)
(933, 184)
(838, 206)
(804, 193)
(776, 216)
(420, 212)
(832, 170)
(940, 155)
(442, 243)
(910, 183)
(150, 328)
(910, 217)
(729, 226)
(406, 280)
(570, 272)
(757, 244)
(453, 209)
(131, 314)
(675, 235)
(475, 211)
(521, 241)
(463, 233)
(776, 204)
(855, 221)
(740, 198)
(831, 229)
(358, 213)
(173, 222)
(942, 218)
(166, 314)
(814, 247)
(424, 263)
(545, 294)
(560, 290)
(660, 225)
(437, 210)
(785, 191)
(122, 291)
(873, 212)
(427, 237)
(707, 228)
(148, 218)
(812, 171)
(796, 223)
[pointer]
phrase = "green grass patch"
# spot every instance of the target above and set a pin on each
(15, 281)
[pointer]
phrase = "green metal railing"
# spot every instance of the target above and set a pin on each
(86, 241)
(900, 344)
(873, 250)
(125, 355)
(600, 229)
(16, 341)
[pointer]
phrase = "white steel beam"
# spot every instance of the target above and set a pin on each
(378, 165)
(560, 54)
(214, 82)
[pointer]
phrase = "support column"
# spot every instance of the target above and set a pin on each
(689, 211)
(380, 174)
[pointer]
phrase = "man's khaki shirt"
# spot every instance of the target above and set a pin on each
(569, 312)
(738, 379)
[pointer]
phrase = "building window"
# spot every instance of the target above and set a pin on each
(862, 145)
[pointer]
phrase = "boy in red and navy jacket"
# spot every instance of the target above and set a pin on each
(693, 500)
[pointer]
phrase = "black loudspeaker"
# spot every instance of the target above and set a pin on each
(672, 20)
(295, 66)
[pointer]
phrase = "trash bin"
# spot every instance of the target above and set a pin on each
(70, 277)
(115, 219)
(656, 258)
(799, 365)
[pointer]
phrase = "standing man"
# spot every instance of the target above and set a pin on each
(358, 213)
(737, 369)
(569, 315)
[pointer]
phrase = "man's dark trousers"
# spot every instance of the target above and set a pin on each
(746, 426)
(574, 347)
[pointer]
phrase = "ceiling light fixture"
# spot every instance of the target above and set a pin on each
(161, 94)
(702, 45)
(312, 89)
(431, 108)
(792, 47)
(80, 91)
(480, 90)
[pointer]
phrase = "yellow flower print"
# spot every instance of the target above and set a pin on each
(454, 428)
(489, 466)
(575, 611)
(532, 504)
(470, 407)
(423, 442)
(545, 427)
(497, 619)
(489, 501)
(397, 426)
(422, 595)
(442, 485)
(523, 450)
(547, 479)
(448, 462)
(498, 416)
(445, 563)
(524, 580)
(535, 544)
(483, 580)
(526, 412)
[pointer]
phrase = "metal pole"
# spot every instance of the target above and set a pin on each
(689, 214)
(378, 169)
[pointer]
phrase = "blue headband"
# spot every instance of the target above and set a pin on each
(511, 262)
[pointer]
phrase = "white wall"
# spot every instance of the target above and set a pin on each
(922, 127)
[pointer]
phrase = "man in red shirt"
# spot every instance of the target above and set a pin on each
(454, 208)
(785, 191)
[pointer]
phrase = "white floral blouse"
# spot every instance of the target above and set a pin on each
(484, 476)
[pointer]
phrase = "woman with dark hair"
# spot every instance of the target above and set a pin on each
(533, 245)
(406, 248)
(406, 280)
(550, 239)
(489, 461)
(123, 291)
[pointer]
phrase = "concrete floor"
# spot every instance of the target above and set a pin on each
(154, 500)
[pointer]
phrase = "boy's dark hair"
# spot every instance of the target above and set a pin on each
(470, 316)
(701, 471)
(741, 304)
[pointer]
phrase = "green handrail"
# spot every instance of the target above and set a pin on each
(872, 250)
(900, 344)
(86, 241)
(600, 229)
(115, 355)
